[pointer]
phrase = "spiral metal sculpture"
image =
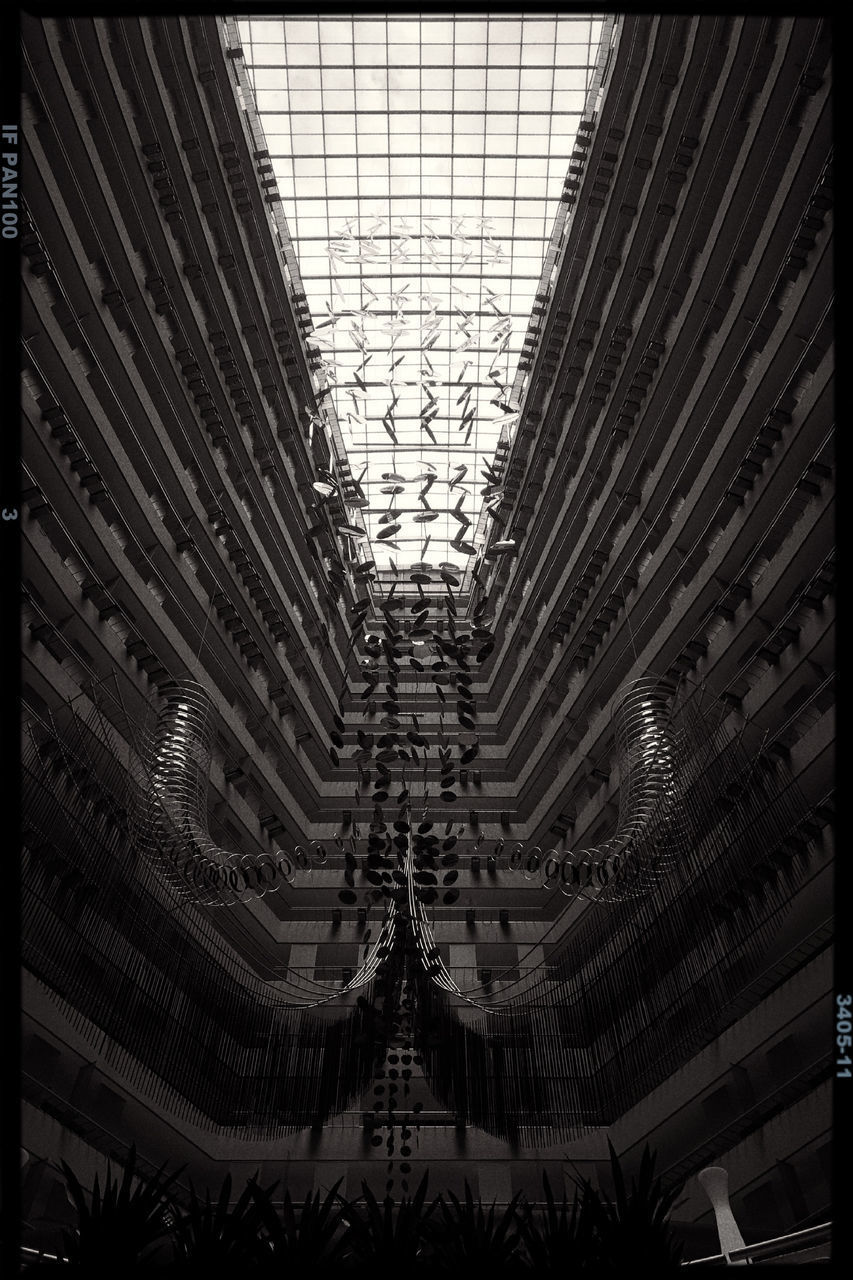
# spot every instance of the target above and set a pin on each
(630, 862)
(172, 833)
(626, 865)
(173, 772)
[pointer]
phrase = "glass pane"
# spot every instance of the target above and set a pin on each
(263, 32)
(542, 33)
(469, 78)
(403, 100)
(468, 55)
(468, 100)
(504, 32)
(369, 55)
(272, 99)
(300, 54)
(300, 30)
(338, 100)
(404, 32)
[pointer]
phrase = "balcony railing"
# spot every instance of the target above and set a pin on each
(809, 1245)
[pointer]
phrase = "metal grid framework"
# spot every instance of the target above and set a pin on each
(421, 160)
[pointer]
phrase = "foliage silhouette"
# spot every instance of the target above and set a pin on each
(300, 1243)
(388, 1236)
(210, 1233)
(120, 1229)
(559, 1238)
(634, 1228)
(473, 1237)
(134, 1227)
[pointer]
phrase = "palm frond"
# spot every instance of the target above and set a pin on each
(211, 1232)
(389, 1232)
(116, 1225)
(473, 1236)
(305, 1240)
(562, 1238)
(635, 1223)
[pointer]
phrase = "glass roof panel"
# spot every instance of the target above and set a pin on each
(420, 160)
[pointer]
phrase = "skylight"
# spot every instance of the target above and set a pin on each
(421, 161)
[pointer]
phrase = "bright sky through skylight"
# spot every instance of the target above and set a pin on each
(421, 160)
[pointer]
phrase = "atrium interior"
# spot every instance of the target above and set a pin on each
(428, 576)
